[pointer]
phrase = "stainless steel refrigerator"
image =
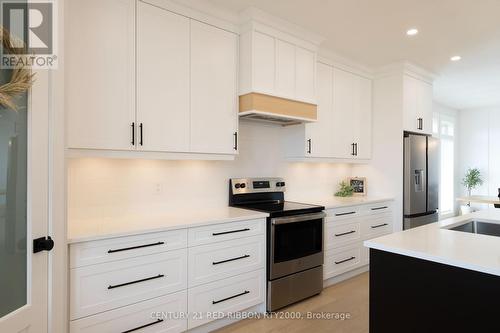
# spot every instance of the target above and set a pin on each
(421, 180)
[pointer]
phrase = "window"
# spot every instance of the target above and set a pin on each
(444, 129)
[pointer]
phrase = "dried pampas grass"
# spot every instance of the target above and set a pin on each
(21, 80)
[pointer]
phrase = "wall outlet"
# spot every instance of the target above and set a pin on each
(158, 190)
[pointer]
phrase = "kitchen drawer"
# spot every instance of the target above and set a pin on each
(225, 231)
(106, 286)
(341, 260)
(377, 225)
(139, 317)
(229, 295)
(208, 263)
(378, 208)
(342, 234)
(107, 250)
(344, 213)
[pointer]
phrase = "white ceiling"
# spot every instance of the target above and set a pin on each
(372, 32)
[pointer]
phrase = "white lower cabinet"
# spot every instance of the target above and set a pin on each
(107, 286)
(345, 230)
(158, 315)
(342, 259)
(228, 295)
(217, 261)
(141, 282)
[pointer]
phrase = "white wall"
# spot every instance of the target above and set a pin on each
(104, 187)
(479, 134)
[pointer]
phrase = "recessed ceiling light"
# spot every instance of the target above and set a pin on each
(455, 58)
(412, 32)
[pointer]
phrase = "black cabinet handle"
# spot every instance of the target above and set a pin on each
(345, 233)
(229, 232)
(136, 281)
(140, 139)
(309, 146)
(342, 214)
(143, 326)
(378, 226)
(420, 123)
(135, 247)
(345, 260)
(378, 208)
(231, 297)
(235, 140)
(232, 259)
(356, 151)
(133, 134)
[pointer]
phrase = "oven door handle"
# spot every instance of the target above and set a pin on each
(297, 218)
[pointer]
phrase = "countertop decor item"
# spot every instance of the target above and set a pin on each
(358, 184)
(345, 190)
(471, 180)
(21, 79)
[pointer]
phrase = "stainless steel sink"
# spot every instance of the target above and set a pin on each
(479, 227)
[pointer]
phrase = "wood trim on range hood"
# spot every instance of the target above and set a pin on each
(276, 109)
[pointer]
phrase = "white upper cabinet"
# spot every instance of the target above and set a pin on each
(320, 137)
(277, 64)
(352, 108)
(213, 89)
(163, 114)
(156, 81)
(344, 126)
(285, 69)
(305, 73)
(417, 105)
(100, 79)
(264, 62)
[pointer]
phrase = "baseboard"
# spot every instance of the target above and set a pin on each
(347, 275)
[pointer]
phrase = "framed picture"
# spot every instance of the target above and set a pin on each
(358, 184)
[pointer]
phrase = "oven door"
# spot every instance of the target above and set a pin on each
(296, 244)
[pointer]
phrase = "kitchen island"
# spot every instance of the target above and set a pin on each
(441, 277)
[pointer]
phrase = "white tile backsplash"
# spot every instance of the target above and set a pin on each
(106, 187)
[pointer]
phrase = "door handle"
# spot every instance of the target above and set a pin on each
(229, 260)
(43, 244)
(144, 326)
(140, 139)
(309, 145)
(235, 140)
(356, 151)
(135, 247)
(352, 152)
(133, 134)
(231, 297)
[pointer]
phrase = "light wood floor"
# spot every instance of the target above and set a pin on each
(350, 296)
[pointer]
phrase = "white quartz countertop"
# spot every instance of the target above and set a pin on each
(436, 243)
(119, 226)
(480, 199)
(339, 202)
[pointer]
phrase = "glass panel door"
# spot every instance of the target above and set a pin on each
(13, 204)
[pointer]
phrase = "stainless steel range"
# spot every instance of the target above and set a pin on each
(294, 239)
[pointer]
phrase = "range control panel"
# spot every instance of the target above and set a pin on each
(257, 185)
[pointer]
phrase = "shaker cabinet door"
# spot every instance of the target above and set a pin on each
(100, 84)
(163, 115)
(213, 89)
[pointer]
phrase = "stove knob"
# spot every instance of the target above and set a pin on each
(237, 185)
(242, 185)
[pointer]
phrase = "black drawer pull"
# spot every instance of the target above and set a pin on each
(231, 297)
(345, 260)
(232, 259)
(144, 326)
(136, 281)
(229, 232)
(378, 208)
(345, 233)
(135, 247)
(378, 226)
(342, 214)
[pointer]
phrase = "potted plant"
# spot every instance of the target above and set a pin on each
(345, 190)
(471, 180)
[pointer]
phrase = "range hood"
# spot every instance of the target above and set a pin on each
(276, 110)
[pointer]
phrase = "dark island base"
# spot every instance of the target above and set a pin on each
(413, 295)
